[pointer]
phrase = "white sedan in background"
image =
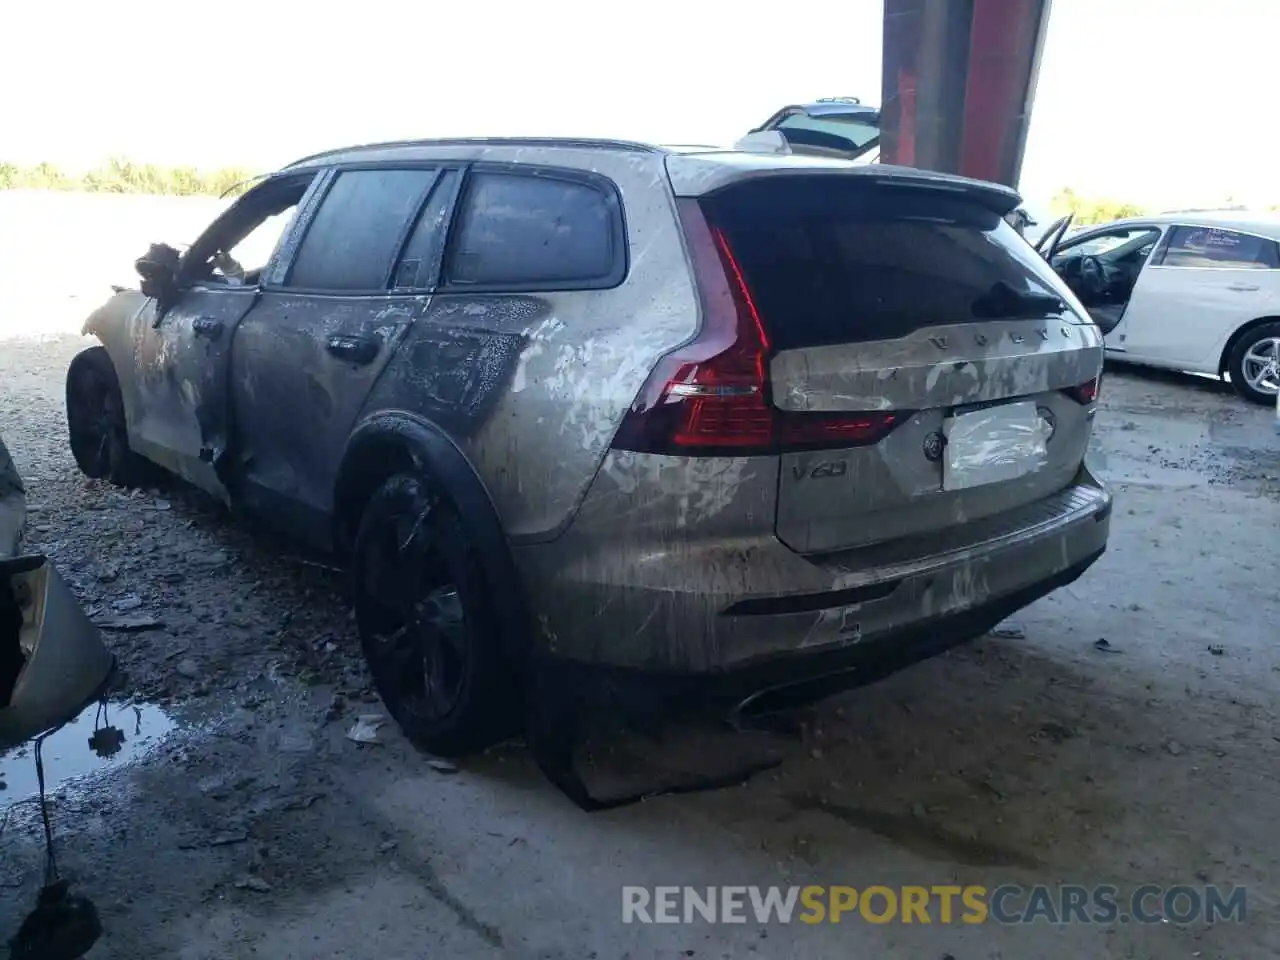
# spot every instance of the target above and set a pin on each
(1198, 292)
(1191, 291)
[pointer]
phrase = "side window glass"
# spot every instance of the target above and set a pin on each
(533, 231)
(244, 262)
(1224, 249)
(422, 249)
(1100, 245)
(236, 248)
(1121, 247)
(356, 233)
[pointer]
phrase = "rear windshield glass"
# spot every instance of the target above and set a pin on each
(838, 262)
(853, 134)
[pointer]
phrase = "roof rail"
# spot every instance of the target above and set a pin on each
(838, 100)
(570, 142)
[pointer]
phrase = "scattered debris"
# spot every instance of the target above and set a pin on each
(1175, 748)
(108, 574)
(387, 846)
(1057, 732)
(129, 624)
(303, 803)
(991, 789)
(209, 558)
(441, 765)
(1217, 649)
(188, 668)
(225, 839)
(1009, 630)
(1104, 646)
(130, 601)
(256, 884)
(365, 729)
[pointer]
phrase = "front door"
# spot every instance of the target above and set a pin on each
(1207, 282)
(183, 349)
(324, 331)
(1108, 270)
(181, 361)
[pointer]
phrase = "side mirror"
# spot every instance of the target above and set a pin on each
(158, 269)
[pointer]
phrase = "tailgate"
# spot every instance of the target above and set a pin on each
(885, 296)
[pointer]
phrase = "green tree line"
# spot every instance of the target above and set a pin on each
(120, 175)
(1091, 210)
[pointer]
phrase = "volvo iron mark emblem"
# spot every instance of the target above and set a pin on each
(933, 444)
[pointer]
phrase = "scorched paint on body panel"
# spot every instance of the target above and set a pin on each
(667, 464)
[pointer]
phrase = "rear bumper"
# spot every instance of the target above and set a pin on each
(796, 678)
(740, 604)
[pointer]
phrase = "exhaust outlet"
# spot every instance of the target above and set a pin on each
(791, 696)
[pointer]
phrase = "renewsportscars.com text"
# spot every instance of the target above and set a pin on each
(943, 904)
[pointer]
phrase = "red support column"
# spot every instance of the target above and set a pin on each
(958, 84)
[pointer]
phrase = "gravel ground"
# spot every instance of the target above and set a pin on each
(241, 822)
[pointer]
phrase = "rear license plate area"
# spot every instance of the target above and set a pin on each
(993, 443)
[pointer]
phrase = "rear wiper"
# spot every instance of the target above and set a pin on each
(1003, 301)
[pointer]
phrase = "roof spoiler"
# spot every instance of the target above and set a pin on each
(996, 197)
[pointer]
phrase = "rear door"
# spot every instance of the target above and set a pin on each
(325, 328)
(1200, 287)
(900, 295)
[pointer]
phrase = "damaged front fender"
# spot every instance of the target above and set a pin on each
(117, 323)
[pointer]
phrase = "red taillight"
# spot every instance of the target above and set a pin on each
(1086, 392)
(711, 396)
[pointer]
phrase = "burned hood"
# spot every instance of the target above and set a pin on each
(13, 504)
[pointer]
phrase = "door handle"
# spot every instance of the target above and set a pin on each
(1243, 287)
(353, 349)
(207, 327)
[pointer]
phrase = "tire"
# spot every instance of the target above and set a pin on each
(96, 422)
(1246, 363)
(424, 610)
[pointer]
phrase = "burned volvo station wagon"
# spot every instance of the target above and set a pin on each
(736, 421)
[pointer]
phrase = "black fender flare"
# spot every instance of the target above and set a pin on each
(392, 442)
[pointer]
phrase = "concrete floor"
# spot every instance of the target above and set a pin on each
(249, 826)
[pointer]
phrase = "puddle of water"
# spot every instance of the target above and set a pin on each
(68, 755)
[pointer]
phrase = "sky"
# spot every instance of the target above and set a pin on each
(1156, 102)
